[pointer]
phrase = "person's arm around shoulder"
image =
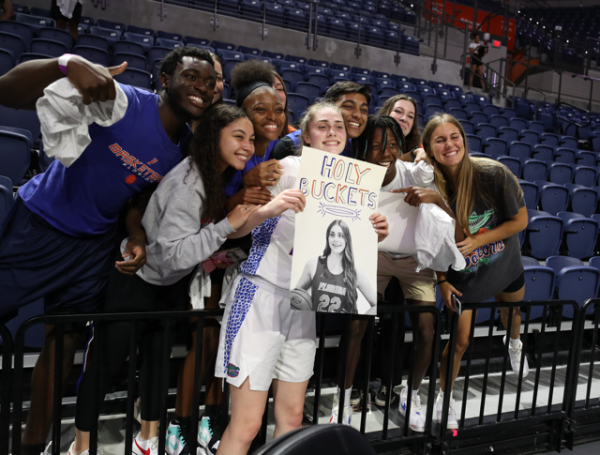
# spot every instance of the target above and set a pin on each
(21, 87)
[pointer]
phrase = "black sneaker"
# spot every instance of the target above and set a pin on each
(209, 435)
(380, 397)
(359, 407)
(354, 397)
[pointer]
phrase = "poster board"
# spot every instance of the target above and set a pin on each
(334, 230)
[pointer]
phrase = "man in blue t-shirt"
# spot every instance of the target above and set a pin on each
(58, 241)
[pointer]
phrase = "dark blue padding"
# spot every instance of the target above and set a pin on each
(579, 233)
(553, 197)
(578, 283)
(539, 285)
(14, 155)
(544, 233)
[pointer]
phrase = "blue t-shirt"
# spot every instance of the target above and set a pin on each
(87, 197)
(236, 184)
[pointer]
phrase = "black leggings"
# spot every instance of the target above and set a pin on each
(109, 354)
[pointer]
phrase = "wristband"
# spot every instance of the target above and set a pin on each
(62, 62)
(443, 281)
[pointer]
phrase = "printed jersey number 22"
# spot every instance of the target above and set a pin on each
(329, 306)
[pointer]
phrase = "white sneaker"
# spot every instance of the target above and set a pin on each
(48, 450)
(145, 446)
(346, 418)
(417, 418)
(515, 358)
(452, 420)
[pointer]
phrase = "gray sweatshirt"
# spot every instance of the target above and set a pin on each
(177, 241)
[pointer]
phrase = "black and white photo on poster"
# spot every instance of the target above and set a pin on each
(334, 266)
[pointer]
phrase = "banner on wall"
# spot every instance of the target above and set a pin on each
(334, 267)
(464, 15)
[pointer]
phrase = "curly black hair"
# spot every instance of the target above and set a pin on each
(249, 71)
(204, 151)
(362, 144)
(175, 57)
(335, 92)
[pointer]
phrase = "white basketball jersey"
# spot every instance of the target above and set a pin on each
(273, 241)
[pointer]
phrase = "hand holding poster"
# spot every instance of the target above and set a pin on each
(334, 266)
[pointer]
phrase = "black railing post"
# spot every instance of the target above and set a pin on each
(5, 384)
(319, 369)
(58, 385)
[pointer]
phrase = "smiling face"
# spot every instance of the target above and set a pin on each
(218, 92)
(190, 89)
(337, 241)
(355, 109)
(326, 131)
(404, 113)
(265, 109)
(385, 157)
(236, 144)
(447, 146)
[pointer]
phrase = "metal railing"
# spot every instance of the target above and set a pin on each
(505, 402)
(493, 79)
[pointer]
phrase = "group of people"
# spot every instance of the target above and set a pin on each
(98, 233)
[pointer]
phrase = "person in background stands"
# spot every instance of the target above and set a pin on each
(67, 13)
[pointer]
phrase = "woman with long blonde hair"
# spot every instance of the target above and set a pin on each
(490, 211)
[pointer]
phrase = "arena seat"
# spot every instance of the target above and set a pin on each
(111, 35)
(140, 30)
(585, 175)
(580, 234)
(577, 283)
(511, 163)
(111, 25)
(134, 61)
(531, 194)
(467, 126)
(582, 199)
(93, 41)
(6, 61)
(129, 47)
(564, 155)
(57, 34)
(539, 285)
(169, 35)
(507, 133)
(553, 198)
(145, 41)
(297, 103)
(6, 197)
(585, 158)
(14, 154)
(24, 31)
(35, 22)
(544, 233)
(542, 152)
(561, 173)
(93, 54)
(498, 120)
(474, 143)
(168, 43)
(13, 43)
(48, 47)
(135, 77)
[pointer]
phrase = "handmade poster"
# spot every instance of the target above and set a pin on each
(402, 219)
(334, 267)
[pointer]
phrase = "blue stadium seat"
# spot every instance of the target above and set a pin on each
(472, 106)
(539, 286)
(538, 127)
(137, 78)
(529, 137)
(580, 234)
(531, 193)
(544, 233)
(557, 263)
(549, 139)
(168, 43)
(560, 173)
(48, 47)
(564, 155)
(13, 43)
(220, 45)
(129, 47)
(17, 28)
(508, 134)
(297, 103)
(578, 283)
(553, 198)
(474, 143)
(519, 150)
(535, 170)
(169, 35)
(319, 80)
(189, 40)
(480, 117)
(157, 53)
(145, 41)
(294, 76)
(432, 99)
(57, 34)
(450, 103)
(6, 197)
(35, 22)
(585, 175)
(569, 142)
(381, 74)
(529, 261)
(582, 199)
(498, 120)
(399, 78)
(585, 158)
(112, 36)
(14, 154)
(251, 50)
(433, 109)
(134, 61)
(309, 90)
(140, 30)
(97, 42)
(485, 130)
(495, 147)
(93, 54)
(459, 114)
(283, 65)
(542, 152)
(518, 124)
(87, 20)
(111, 25)
(273, 55)
(467, 126)
(514, 164)
(490, 110)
